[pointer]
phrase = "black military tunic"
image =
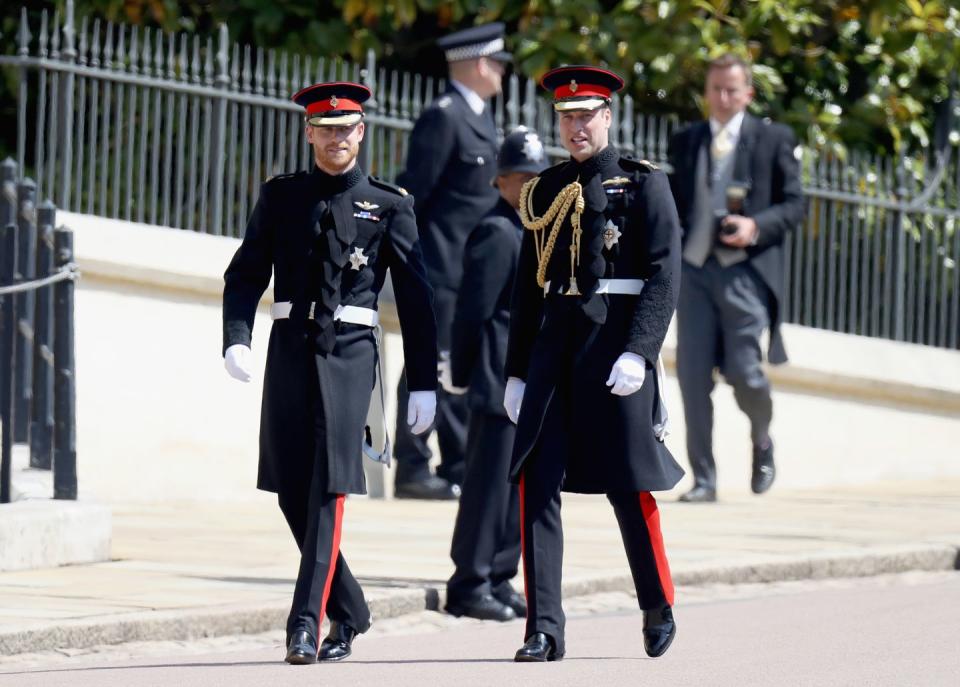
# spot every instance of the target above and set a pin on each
(573, 342)
(285, 236)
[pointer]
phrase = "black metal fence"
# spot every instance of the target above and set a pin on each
(37, 371)
(180, 130)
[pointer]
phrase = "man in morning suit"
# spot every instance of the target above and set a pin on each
(328, 237)
(450, 164)
(736, 182)
(596, 287)
(486, 537)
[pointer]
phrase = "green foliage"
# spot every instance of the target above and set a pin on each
(864, 74)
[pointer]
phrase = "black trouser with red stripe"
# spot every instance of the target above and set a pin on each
(325, 584)
(542, 545)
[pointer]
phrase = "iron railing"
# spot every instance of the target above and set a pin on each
(37, 371)
(180, 130)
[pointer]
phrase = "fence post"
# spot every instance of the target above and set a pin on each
(8, 192)
(41, 425)
(23, 52)
(369, 79)
(900, 254)
(8, 266)
(65, 407)
(23, 356)
(69, 54)
(222, 82)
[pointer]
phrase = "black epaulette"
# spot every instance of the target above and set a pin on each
(277, 177)
(642, 166)
(387, 186)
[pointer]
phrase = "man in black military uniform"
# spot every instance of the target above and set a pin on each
(597, 284)
(450, 164)
(486, 536)
(328, 237)
(737, 186)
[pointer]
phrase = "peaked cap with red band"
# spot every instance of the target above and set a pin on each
(580, 87)
(333, 104)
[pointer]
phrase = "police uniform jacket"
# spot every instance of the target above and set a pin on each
(482, 317)
(450, 163)
(765, 160)
(301, 222)
(571, 343)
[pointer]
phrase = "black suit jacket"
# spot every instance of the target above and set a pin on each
(451, 161)
(765, 159)
(482, 317)
(285, 238)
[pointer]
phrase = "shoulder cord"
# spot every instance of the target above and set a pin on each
(571, 194)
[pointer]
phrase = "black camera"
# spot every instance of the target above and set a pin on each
(736, 196)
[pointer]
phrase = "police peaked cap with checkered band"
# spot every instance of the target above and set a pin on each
(475, 42)
(333, 104)
(580, 87)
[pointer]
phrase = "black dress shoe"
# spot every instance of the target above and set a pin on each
(432, 488)
(538, 648)
(658, 631)
(302, 648)
(514, 600)
(699, 494)
(483, 607)
(336, 645)
(764, 470)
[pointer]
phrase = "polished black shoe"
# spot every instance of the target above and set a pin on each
(764, 471)
(483, 607)
(658, 631)
(302, 648)
(538, 648)
(336, 645)
(432, 488)
(699, 494)
(514, 600)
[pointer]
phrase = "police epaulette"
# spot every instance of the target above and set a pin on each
(387, 186)
(637, 165)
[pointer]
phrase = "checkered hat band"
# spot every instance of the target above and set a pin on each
(333, 105)
(475, 50)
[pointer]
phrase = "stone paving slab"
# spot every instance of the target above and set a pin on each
(227, 567)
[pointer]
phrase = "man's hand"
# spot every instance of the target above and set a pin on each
(627, 374)
(513, 397)
(237, 361)
(421, 408)
(445, 375)
(745, 234)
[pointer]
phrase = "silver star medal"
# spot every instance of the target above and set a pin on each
(358, 259)
(611, 234)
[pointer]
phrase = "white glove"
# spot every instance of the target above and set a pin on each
(513, 397)
(421, 408)
(445, 375)
(627, 374)
(237, 361)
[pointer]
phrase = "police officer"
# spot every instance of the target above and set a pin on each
(328, 237)
(597, 284)
(486, 536)
(450, 164)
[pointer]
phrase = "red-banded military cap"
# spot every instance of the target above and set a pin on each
(333, 104)
(580, 87)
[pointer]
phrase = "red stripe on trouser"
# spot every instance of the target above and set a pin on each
(523, 543)
(334, 554)
(651, 517)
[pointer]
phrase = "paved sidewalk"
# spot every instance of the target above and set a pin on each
(188, 569)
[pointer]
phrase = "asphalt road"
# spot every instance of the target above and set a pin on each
(892, 630)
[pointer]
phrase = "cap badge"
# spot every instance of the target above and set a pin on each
(573, 86)
(333, 101)
(532, 147)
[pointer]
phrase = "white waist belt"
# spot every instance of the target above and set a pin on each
(345, 313)
(625, 287)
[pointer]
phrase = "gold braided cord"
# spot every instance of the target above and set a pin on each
(571, 194)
